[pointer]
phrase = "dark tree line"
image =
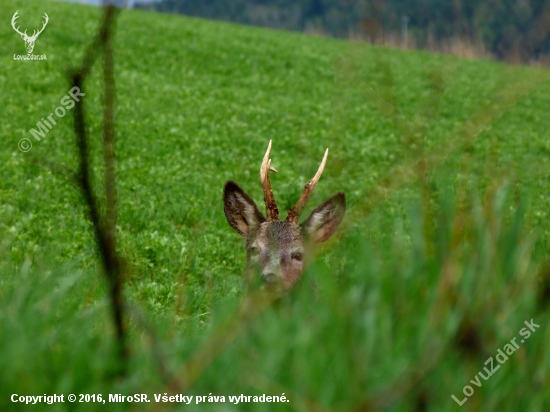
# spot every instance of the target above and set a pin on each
(516, 29)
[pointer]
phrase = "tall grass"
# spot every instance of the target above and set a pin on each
(391, 323)
(441, 260)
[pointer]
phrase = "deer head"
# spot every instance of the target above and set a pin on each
(29, 40)
(277, 249)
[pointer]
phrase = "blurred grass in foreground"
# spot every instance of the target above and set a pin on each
(444, 163)
(382, 325)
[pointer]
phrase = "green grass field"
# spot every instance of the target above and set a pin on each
(438, 264)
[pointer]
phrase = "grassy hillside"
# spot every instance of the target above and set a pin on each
(437, 267)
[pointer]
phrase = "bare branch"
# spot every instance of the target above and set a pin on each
(110, 218)
(252, 306)
(104, 226)
(156, 349)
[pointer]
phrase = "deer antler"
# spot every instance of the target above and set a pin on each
(270, 205)
(298, 208)
(46, 20)
(14, 21)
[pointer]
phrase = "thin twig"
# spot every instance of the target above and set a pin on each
(161, 362)
(104, 226)
(110, 175)
(252, 306)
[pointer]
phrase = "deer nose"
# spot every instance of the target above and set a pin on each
(270, 277)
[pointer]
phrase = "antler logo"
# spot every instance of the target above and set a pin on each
(29, 40)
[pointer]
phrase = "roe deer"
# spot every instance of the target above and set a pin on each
(277, 249)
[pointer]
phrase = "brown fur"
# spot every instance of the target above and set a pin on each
(276, 250)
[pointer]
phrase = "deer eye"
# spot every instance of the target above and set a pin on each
(254, 251)
(297, 256)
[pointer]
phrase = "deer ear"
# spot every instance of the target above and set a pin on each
(240, 210)
(324, 220)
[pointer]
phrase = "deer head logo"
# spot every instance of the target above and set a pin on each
(29, 40)
(277, 250)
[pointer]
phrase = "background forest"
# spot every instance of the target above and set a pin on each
(513, 30)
